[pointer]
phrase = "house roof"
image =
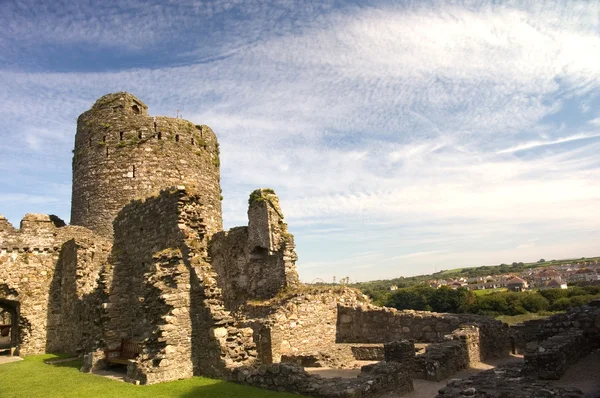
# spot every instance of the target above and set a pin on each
(516, 281)
(554, 282)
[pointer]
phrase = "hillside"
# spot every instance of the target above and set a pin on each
(375, 288)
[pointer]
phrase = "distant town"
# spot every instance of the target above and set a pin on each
(544, 277)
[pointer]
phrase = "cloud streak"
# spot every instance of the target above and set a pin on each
(386, 116)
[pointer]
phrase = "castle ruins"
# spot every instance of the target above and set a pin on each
(145, 260)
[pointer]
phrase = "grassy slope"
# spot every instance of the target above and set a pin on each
(514, 319)
(33, 378)
(458, 271)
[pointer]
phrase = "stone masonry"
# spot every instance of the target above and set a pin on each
(122, 153)
(257, 261)
(49, 283)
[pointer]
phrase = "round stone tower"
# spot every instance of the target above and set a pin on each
(121, 153)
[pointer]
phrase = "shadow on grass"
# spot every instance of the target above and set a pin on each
(75, 364)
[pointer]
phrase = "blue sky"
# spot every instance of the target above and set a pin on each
(401, 137)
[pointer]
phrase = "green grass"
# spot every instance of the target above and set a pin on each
(33, 378)
(483, 292)
(514, 319)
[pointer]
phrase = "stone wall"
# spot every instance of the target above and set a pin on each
(551, 359)
(442, 360)
(356, 324)
(121, 153)
(34, 275)
(585, 318)
(77, 290)
(300, 322)
(374, 380)
(258, 261)
(165, 296)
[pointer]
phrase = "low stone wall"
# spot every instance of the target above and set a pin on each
(553, 357)
(337, 356)
(374, 380)
(372, 324)
(367, 352)
(442, 360)
(585, 318)
(505, 381)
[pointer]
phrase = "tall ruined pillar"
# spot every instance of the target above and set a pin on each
(258, 261)
(271, 245)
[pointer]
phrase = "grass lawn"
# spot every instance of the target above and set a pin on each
(483, 292)
(33, 378)
(514, 319)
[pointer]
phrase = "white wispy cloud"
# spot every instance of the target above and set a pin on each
(386, 116)
(536, 144)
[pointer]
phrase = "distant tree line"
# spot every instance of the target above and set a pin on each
(445, 299)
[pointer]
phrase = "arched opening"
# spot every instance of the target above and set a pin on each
(9, 326)
(121, 136)
(135, 109)
(176, 137)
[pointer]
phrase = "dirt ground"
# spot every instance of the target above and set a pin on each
(584, 375)
(6, 358)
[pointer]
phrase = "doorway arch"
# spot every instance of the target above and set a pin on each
(9, 326)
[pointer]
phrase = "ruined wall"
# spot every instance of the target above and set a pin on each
(554, 356)
(301, 322)
(164, 293)
(29, 269)
(373, 381)
(372, 324)
(585, 318)
(258, 261)
(121, 153)
(77, 291)
(442, 360)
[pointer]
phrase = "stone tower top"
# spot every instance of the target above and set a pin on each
(122, 153)
(121, 102)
